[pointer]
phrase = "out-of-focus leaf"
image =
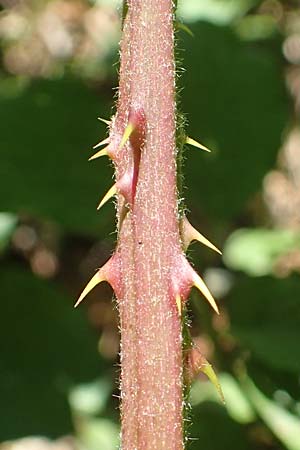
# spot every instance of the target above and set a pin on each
(235, 99)
(214, 11)
(213, 429)
(269, 380)
(255, 251)
(236, 402)
(8, 223)
(265, 317)
(255, 27)
(50, 129)
(46, 347)
(90, 399)
(95, 434)
(284, 425)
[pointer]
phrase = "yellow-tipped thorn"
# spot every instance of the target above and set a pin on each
(107, 122)
(104, 142)
(190, 234)
(200, 238)
(97, 278)
(178, 304)
(199, 284)
(109, 194)
(127, 133)
(208, 370)
(102, 152)
(194, 143)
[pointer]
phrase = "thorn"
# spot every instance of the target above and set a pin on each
(190, 234)
(208, 370)
(104, 142)
(127, 133)
(184, 27)
(107, 122)
(179, 304)
(194, 143)
(96, 279)
(201, 286)
(200, 238)
(109, 194)
(102, 152)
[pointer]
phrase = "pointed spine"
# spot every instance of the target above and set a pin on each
(103, 152)
(201, 286)
(109, 194)
(103, 142)
(190, 234)
(194, 143)
(183, 278)
(109, 272)
(94, 281)
(196, 363)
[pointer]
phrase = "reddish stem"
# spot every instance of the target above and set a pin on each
(149, 243)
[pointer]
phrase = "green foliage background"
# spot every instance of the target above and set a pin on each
(58, 367)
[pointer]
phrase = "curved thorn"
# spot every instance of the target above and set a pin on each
(96, 279)
(201, 286)
(109, 194)
(178, 304)
(102, 152)
(104, 142)
(127, 133)
(190, 234)
(208, 370)
(184, 27)
(200, 238)
(194, 143)
(107, 122)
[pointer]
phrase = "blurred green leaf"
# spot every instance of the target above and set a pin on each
(212, 429)
(46, 347)
(255, 251)
(256, 27)
(8, 223)
(284, 425)
(90, 399)
(236, 102)
(97, 434)
(236, 402)
(265, 317)
(50, 129)
(237, 405)
(214, 11)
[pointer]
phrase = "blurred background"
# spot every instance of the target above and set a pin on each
(58, 366)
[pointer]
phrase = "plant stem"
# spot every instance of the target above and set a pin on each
(149, 242)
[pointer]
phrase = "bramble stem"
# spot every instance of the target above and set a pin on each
(149, 242)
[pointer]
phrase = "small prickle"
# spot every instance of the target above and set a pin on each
(196, 364)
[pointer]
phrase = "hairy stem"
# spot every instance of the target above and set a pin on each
(149, 272)
(151, 359)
